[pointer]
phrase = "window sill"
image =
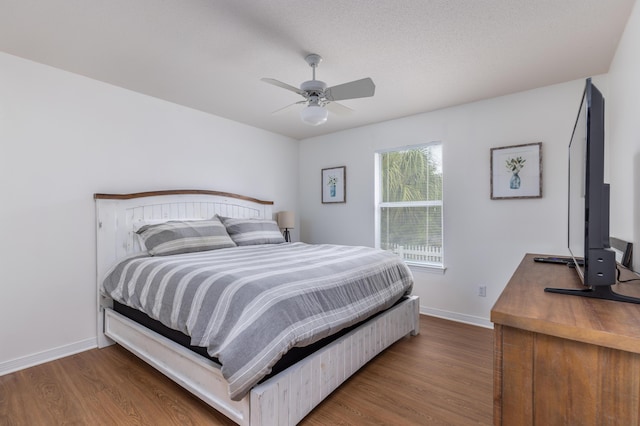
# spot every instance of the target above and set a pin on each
(425, 267)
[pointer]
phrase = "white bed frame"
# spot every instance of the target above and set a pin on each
(284, 399)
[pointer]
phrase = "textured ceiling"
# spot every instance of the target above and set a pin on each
(422, 55)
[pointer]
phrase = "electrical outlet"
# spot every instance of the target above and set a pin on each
(482, 291)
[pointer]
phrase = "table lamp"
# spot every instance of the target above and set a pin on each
(286, 221)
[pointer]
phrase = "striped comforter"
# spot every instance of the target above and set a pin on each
(249, 305)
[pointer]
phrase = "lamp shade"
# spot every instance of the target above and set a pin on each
(314, 115)
(286, 220)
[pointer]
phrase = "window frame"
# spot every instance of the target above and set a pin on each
(379, 205)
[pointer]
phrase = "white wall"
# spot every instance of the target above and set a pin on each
(623, 113)
(65, 137)
(484, 239)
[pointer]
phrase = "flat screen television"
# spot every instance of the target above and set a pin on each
(588, 197)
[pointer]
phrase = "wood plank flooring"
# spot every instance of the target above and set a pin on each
(444, 376)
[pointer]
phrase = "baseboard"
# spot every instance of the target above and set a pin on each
(13, 365)
(454, 316)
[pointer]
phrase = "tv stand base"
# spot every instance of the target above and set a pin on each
(596, 292)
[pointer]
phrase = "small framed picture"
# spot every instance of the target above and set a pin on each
(334, 185)
(516, 171)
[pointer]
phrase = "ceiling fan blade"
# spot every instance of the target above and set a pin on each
(287, 107)
(338, 109)
(283, 85)
(355, 89)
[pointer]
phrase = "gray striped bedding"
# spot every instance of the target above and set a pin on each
(246, 232)
(185, 236)
(249, 305)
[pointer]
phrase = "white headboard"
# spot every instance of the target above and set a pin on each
(118, 216)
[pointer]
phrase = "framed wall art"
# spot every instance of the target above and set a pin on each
(334, 185)
(516, 171)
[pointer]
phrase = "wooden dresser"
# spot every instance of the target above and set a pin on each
(564, 360)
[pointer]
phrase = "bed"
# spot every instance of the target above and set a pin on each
(288, 394)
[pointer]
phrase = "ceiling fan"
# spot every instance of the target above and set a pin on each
(321, 99)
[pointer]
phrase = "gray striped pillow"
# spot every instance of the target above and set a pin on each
(246, 232)
(185, 236)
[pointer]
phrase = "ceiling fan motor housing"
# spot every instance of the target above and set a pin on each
(314, 87)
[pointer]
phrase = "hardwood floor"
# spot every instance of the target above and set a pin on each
(444, 376)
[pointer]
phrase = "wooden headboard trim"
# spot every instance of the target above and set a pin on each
(177, 192)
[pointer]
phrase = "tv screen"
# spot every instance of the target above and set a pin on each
(589, 194)
(577, 182)
(588, 199)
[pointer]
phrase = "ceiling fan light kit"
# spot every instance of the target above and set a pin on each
(314, 115)
(319, 97)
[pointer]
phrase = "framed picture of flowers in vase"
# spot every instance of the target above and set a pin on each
(334, 185)
(516, 171)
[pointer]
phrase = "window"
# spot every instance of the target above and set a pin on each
(409, 203)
